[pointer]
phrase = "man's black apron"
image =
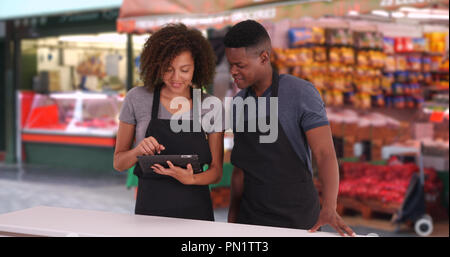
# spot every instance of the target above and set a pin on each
(162, 195)
(278, 187)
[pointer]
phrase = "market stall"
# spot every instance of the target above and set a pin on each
(380, 66)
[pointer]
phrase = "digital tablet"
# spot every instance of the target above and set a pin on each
(147, 161)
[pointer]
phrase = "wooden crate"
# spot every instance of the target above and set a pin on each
(349, 143)
(350, 129)
(364, 133)
(367, 208)
(391, 135)
(376, 150)
(337, 128)
(220, 197)
(379, 133)
(405, 132)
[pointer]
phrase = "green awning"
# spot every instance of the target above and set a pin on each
(14, 9)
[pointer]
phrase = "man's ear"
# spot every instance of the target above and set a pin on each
(265, 57)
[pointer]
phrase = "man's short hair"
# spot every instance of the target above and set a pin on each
(250, 35)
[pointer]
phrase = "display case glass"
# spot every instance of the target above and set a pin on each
(78, 113)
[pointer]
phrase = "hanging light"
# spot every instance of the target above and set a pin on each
(353, 13)
(398, 15)
(380, 13)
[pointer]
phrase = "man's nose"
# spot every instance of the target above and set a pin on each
(233, 70)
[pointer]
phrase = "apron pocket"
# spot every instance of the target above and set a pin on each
(158, 195)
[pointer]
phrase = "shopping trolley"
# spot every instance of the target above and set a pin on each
(413, 207)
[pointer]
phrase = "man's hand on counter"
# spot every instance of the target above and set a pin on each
(331, 217)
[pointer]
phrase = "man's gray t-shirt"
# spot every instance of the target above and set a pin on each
(300, 108)
(137, 110)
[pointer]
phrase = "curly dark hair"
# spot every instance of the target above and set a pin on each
(167, 43)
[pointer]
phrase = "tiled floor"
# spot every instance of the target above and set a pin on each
(34, 186)
(63, 188)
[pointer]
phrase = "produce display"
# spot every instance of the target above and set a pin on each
(387, 184)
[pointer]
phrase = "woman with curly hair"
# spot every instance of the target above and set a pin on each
(174, 61)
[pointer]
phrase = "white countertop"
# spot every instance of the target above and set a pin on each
(52, 221)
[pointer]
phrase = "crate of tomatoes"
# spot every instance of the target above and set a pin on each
(384, 183)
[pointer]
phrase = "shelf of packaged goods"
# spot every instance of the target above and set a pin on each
(436, 88)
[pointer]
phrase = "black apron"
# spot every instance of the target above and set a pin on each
(161, 195)
(278, 187)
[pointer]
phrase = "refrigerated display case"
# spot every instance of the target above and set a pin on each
(70, 129)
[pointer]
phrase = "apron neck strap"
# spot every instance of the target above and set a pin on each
(155, 106)
(156, 100)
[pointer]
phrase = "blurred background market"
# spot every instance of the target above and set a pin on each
(381, 67)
